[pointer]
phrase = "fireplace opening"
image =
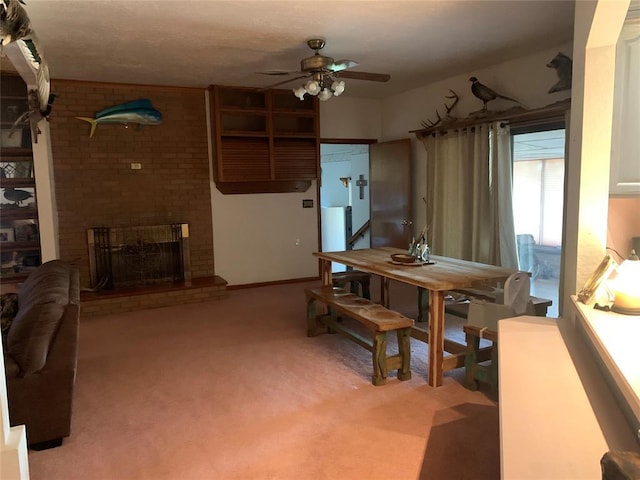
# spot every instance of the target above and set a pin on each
(136, 256)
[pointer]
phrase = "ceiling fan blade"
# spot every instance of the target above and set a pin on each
(342, 65)
(374, 77)
(284, 81)
(276, 73)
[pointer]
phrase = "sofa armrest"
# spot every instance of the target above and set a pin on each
(44, 400)
(11, 368)
(63, 354)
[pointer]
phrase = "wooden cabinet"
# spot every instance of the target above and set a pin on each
(625, 147)
(19, 231)
(264, 141)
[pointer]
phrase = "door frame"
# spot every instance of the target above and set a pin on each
(333, 141)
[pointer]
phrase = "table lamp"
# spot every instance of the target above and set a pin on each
(626, 286)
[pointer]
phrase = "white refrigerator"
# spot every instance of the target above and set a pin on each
(336, 230)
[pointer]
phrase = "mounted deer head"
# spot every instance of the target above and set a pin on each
(449, 108)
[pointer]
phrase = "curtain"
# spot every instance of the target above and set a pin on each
(469, 209)
(503, 203)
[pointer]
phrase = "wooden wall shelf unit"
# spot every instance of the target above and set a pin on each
(19, 231)
(265, 141)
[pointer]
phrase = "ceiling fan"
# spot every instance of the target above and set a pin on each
(324, 74)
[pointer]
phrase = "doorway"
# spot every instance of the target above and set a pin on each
(538, 206)
(370, 182)
(344, 197)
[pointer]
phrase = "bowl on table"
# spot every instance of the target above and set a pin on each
(403, 258)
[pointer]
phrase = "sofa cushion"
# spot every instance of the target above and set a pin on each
(32, 333)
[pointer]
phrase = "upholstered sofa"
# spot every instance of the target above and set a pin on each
(41, 351)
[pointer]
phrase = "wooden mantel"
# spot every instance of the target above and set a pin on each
(516, 115)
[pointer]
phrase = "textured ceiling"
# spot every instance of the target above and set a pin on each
(198, 43)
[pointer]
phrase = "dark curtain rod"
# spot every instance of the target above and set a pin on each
(514, 117)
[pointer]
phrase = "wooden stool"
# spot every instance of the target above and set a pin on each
(475, 355)
(358, 282)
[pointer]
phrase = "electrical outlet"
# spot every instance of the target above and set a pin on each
(136, 166)
(298, 242)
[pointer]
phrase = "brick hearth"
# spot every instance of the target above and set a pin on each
(118, 301)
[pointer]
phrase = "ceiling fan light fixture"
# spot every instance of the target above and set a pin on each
(337, 87)
(319, 86)
(323, 74)
(299, 92)
(325, 94)
(312, 87)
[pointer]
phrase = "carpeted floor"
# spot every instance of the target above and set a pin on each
(235, 389)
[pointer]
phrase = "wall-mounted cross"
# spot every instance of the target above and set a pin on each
(361, 182)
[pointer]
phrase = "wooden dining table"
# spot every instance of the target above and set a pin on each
(441, 275)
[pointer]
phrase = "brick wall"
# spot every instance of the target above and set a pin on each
(94, 182)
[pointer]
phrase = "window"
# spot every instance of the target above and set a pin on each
(538, 204)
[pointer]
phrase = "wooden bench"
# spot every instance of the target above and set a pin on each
(473, 370)
(377, 319)
(461, 308)
(358, 282)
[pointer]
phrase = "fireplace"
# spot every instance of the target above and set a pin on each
(136, 256)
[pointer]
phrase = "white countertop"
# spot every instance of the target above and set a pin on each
(616, 337)
(557, 414)
(547, 427)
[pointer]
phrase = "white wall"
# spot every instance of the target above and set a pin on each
(264, 237)
(255, 235)
(332, 192)
(525, 79)
(14, 459)
(346, 117)
(596, 30)
(361, 210)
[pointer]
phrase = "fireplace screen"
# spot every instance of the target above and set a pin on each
(121, 257)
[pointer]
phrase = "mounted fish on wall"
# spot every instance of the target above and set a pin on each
(139, 111)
